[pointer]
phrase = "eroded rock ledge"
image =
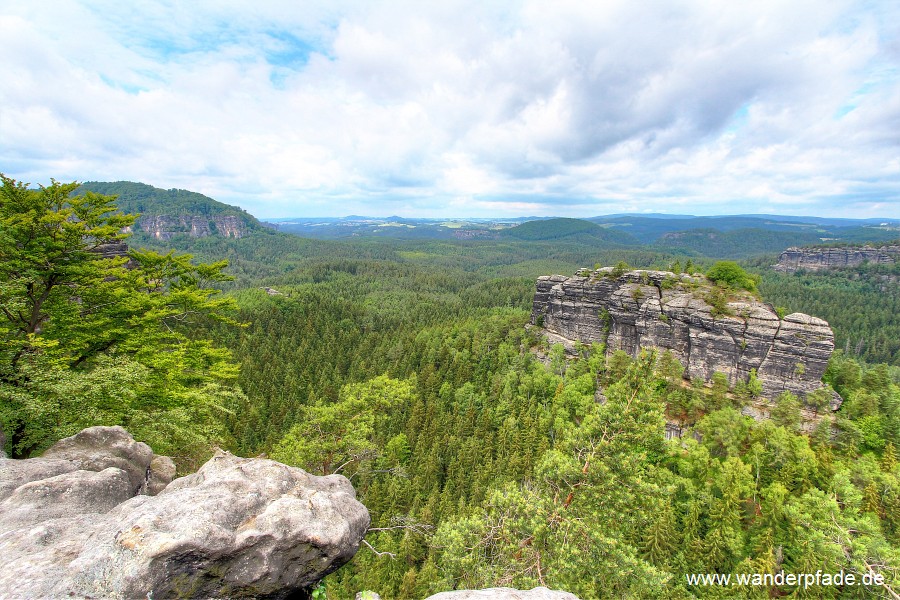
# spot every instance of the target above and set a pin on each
(164, 227)
(643, 309)
(82, 521)
(815, 259)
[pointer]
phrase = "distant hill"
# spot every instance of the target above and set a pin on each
(168, 213)
(648, 229)
(574, 230)
(141, 198)
(737, 243)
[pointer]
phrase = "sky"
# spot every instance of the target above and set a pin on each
(478, 109)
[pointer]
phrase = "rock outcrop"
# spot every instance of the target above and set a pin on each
(643, 309)
(112, 250)
(538, 593)
(164, 227)
(815, 259)
(80, 522)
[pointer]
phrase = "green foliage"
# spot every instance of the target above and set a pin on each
(862, 305)
(729, 274)
(718, 302)
(87, 340)
(335, 437)
(620, 269)
(492, 441)
(786, 411)
(570, 229)
(320, 594)
(140, 198)
(557, 530)
(405, 365)
(736, 244)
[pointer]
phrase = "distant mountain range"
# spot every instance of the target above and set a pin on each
(174, 212)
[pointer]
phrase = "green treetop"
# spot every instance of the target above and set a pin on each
(87, 340)
(729, 274)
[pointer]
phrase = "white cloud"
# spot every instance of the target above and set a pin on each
(450, 107)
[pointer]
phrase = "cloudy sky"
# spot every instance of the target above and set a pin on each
(463, 108)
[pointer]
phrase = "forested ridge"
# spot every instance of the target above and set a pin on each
(482, 453)
(140, 198)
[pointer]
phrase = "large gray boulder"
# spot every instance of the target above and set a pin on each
(538, 593)
(98, 448)
(93, 449)
(78, 523)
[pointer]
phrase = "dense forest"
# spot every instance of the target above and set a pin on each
(481, 452)
(140, 198)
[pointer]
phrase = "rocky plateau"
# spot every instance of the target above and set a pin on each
(657, 309)
(816, 259)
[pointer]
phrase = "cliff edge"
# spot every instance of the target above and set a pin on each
(687, 315)
(816, 259)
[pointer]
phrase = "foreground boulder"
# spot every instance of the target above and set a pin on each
(538, 593)
(93, 449)
(80, 523)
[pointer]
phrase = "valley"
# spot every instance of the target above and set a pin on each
(396, 353)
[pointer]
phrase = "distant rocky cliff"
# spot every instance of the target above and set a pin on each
(163, 227)
(815, 259)
(642, 309)
(168, 213)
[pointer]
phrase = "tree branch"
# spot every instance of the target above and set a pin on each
(377, 553)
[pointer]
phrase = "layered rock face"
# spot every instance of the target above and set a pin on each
(82, 521)
(112, 250)
(644, 309)
(815, 259)
(163, 227)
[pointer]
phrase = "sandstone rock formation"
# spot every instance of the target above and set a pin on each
(112, 250)
(163, 227)
(78, 522)
(538, 593)
(815, 259)
(642, 309)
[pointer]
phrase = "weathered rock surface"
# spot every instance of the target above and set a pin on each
(538, 593)
(163, 227)
(93, 449)
(815, 259)
(642, 309)
(112, 250)
(78, 522)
